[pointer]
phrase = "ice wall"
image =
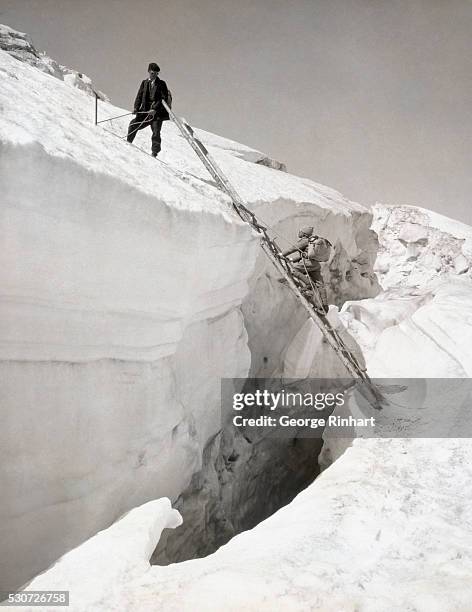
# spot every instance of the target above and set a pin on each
(114, 337)
(128, 291)
(386, 528)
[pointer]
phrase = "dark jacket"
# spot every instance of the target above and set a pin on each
(150, 96)
(298, 249)
(300, 246)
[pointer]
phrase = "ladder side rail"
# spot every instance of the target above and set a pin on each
(335, 341)
(193, 143)
(215, 171)
(344, 353)
(209, 163)
(324, 330)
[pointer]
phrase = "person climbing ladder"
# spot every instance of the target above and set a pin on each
(305, 258)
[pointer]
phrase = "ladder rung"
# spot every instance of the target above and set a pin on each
(270, 248)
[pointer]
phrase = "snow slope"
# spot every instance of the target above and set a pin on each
(386, 528)
(128, 291)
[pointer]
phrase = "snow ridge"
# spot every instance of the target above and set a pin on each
(20, 46)
(418, 246)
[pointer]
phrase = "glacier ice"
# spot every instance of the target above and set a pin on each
(115, 392)
(129, 290)
(385, 528)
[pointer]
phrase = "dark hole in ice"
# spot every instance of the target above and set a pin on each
(244, 479)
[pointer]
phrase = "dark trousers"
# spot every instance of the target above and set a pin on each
(314, 274)
(140, 122)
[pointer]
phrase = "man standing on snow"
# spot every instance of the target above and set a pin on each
(148, 108)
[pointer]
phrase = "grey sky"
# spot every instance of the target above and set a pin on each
(372, 97)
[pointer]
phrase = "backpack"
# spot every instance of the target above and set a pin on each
(319, 249)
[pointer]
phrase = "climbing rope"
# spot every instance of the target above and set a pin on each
(116, 117)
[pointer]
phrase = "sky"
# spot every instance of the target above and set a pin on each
(371, 97)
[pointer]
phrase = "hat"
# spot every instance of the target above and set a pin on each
(306, 231)
(153, 66)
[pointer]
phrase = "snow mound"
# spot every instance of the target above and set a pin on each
(418, 245)
(20, 46)
(399, 328)
(128, 545)
(240, 150)
(425, 265)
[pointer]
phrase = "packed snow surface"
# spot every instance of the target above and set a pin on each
(419, 245)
